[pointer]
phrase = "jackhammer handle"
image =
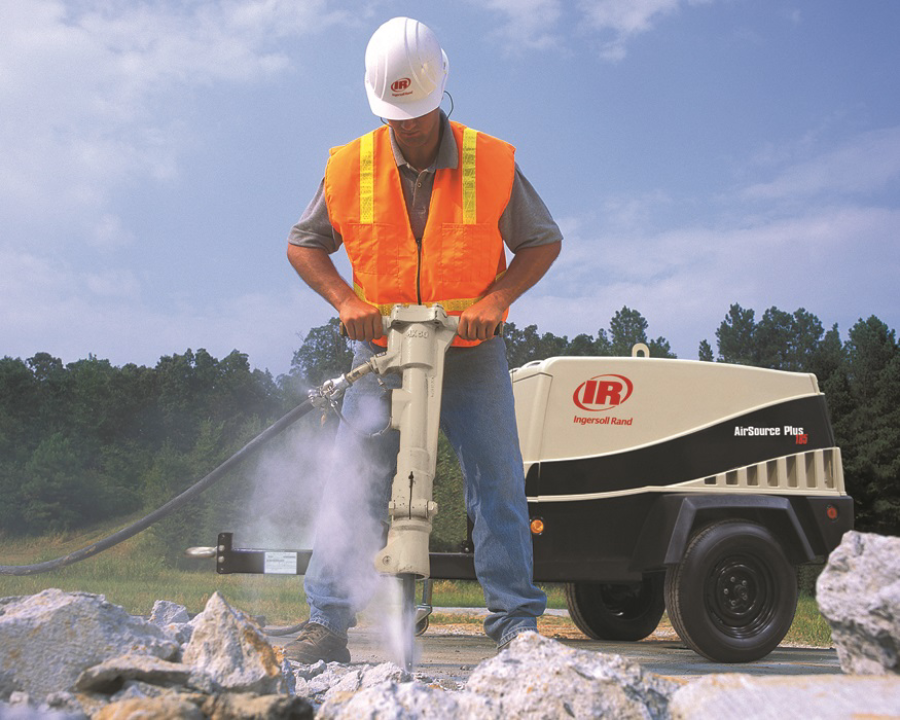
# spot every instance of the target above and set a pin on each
(385, 320)
(387, 324)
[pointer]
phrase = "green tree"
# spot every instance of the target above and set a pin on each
(19, 411)
(324, 354)
(59, 491)
(524, 346)
(870, 432)
(786, 342)
(735, 337)
(628, 328)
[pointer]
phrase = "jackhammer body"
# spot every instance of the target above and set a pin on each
(417, 342)
(418, 338)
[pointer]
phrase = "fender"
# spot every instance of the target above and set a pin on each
(674, 518)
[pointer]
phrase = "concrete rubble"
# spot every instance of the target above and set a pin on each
(72, 656)
(539, 677)
(536, 677)
(50, 638)
(859, 595)
(75, 655)
(824, 697)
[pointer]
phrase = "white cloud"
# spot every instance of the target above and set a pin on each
(109, 233)
(864, 164)
(625, 19)
(530, 24)
(113, 284)
(535, 24)
(840, 263)
(816, 237)
(47, 306)
(93, 93)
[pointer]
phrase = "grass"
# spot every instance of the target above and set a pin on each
(462, 593)
(809, 627)
(131, 577)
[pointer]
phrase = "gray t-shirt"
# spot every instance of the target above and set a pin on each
(525, 222)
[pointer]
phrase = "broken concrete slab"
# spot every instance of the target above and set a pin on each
(748, 697)
(163, 707)
(173, 619)
(227, 646)
(535, 677)
(540, 677)
(320, 682)
(225, 706)
(111, 675)
(859, 595)
(408, 701)
(47, 640)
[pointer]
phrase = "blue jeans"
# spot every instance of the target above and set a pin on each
(478, 418)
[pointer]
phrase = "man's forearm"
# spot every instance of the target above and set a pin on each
(527, 267)
(318, 271)
(361, 320)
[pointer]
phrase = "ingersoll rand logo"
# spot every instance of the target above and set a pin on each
(603, 392)
(398, 86)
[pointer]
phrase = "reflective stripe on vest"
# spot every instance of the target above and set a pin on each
(367, 178)
(468, 175)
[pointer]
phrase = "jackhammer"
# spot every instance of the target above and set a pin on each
(417, 341)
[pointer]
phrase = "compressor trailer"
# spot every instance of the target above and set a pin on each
(658, 485)
(686, 486)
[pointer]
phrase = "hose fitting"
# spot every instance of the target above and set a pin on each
(329, 392)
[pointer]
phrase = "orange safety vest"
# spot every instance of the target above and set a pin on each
(461, 253)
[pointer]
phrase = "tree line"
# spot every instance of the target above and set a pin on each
(88, 441)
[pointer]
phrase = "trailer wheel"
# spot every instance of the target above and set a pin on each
(606, 611)
(733, 596)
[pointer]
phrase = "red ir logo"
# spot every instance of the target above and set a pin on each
(602, 392)
(401, 84)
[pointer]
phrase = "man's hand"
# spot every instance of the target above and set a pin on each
(361, 320)
(480, 321)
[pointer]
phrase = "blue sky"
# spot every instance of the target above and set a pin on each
(696, 153)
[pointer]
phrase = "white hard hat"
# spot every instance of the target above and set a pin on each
(406, 70)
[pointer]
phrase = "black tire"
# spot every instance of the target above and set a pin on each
(624, 612)
(733, 596)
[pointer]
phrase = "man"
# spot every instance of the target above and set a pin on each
(423, 208)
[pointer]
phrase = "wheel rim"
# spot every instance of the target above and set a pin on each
(740, 596)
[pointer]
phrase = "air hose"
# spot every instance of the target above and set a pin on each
(323, 397)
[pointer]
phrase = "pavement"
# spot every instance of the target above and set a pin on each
(449, 652)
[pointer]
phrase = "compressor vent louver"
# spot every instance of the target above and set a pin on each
(814, 470)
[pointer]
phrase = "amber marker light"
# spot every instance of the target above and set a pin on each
(831, 511)
(537, 526)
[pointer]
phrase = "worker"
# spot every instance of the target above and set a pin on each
(424, 208)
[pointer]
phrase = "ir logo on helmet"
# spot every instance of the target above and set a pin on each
(602, 392)
(401, 84)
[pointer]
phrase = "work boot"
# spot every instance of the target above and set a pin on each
(316, 642)
(504, 646)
